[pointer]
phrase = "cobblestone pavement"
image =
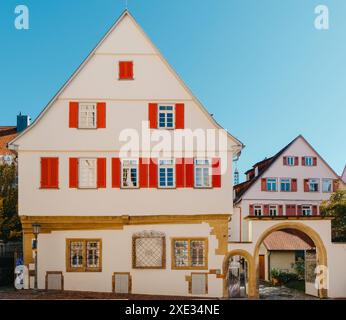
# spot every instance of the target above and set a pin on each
(282, 293)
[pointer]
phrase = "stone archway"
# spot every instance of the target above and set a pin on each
(320, 249)
(251, 272)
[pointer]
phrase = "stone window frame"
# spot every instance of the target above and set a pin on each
(189, 267)
(84, 268)
(149, 234)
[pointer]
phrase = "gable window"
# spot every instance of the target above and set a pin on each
(309, 161)
(273, 210)
(125, 70)
(166, 173)
(84, 255)
(166, 116)
(306, 210)
(189, 253)
(87, 116)
(285, 185)
(129, 174)
(87, 173)
(290, 161)
(313, 185)
(257, 211)
(202, 173)
(271, 184)
(149, 250)
(327, 185)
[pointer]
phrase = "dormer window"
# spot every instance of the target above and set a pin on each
(166, 116)
(125, 70)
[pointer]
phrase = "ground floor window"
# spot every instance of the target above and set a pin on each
(190, 253)
(83, 255)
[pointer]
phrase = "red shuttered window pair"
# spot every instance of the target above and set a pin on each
(49, 173)
(100, 173)
(309, 161)
(179, 116)
(87, 115)
(125, 70)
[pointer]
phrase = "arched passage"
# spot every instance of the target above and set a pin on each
(251, 271)
(320, 249)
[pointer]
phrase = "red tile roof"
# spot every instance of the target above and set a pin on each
(288, 240)
(6, 135)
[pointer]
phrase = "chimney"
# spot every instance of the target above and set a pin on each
(22, 122)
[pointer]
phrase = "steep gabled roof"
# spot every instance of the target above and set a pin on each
(242, 188)
(126, 13)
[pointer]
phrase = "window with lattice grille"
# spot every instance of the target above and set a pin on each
(190, 253)
(83, 255)
(149, 250)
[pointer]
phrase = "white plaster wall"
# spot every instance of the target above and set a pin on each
(117, 257)
(282, 260)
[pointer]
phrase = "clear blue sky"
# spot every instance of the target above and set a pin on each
(260, 66)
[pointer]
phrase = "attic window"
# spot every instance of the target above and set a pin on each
(125, 70)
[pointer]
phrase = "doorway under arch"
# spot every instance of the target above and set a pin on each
(312, 234)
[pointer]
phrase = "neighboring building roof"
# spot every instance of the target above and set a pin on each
(264, 165)
(287, 240)
(7, 134)
(343, 176)
(126, 13)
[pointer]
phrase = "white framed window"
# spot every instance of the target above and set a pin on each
(87, 173)
(327, 185)
(166, 173)
(314, 185)
(273, 210)
(202, 173)
(129, 173)
(166, 116)
(309, 161)
(257, 211)
(285, 185)
(271, 184)
(87, 116)
(306, 210)
(290, 161)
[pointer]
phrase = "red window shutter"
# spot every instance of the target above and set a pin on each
(180, 173)
(335, 185)
(303, 161)
(101, 115)
(216, 170)
(153, 173)
(101, 173)
(251, 209)
(296, 161)
(266, 210)
(73, 115)
(44, 173)
(180, 116)
(294, 185)
(153, 115)
(115, 173)
(73, 174)
(189, 173)
(285, 161)
(54, 172)
(299, 210)
(314, 211)
(125, 70)
(144, 172)
(306, 185)
(263, 184)
(314, 163)
(281, 210)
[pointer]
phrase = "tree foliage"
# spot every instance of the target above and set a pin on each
(336, 207)
(10, 226)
